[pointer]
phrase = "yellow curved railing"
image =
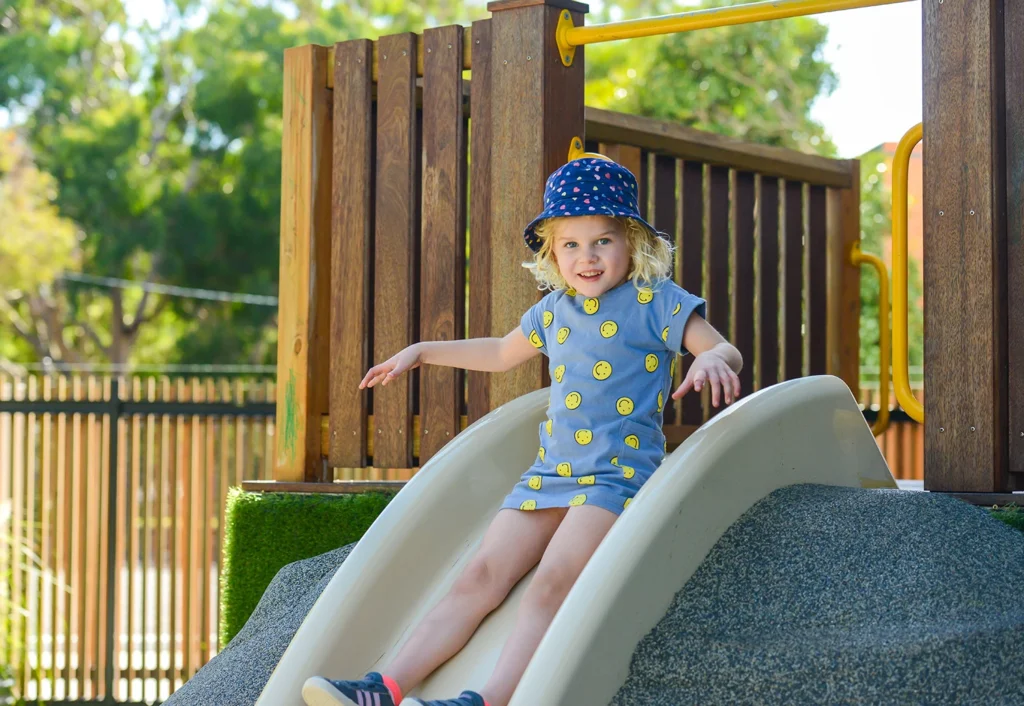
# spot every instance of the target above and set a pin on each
(900, 352)
(858, 258)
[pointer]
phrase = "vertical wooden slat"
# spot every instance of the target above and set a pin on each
(352, 248)
(80, 542)
(48, 619)
(210, 487)
(151, 529)
(179, 489)
(195, 552)
(305, 272)
(164, 541)
(692, 252)
(718, 260)
(843, 226)
(268, 437)
(395, 246)
(6, 465)
(443, 244)
(481, 135)
(817, 281)
(537, 107)
(18, 529)
(964, 275)
(742, 290)
(666, 220)
(1014, 66)
(768, 342)
(792, 281)
(65, 502)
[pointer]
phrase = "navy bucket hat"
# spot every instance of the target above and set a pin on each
(588, 186)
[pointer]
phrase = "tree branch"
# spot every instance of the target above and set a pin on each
(21, 326)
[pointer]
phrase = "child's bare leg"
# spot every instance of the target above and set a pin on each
(569, 551)
(513, 545)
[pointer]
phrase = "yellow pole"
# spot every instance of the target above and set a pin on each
(858, 258)
(568, 36)
(900, 351)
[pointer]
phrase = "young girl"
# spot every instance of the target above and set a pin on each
(611, 329)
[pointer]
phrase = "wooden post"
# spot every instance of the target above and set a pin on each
(842, 218)
(965, 251)
(1014, 31)
(537, 107)
(305, 274)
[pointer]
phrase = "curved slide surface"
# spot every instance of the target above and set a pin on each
(803, 431)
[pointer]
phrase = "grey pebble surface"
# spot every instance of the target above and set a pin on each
(831, 595)
(237, 675)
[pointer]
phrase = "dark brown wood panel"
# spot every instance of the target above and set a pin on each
(478, 403)
(687, 143)
(767, 372)
(964, 275)
(817, 282)
(719, 307)
(1014, 31)
(843, 226)
(666, 220)
(692, 253)
(793, 281)
(442, 264)
(537, 108)
(352, 246)
(395, 243)
(742, 216)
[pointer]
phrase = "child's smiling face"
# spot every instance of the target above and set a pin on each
(592, 253)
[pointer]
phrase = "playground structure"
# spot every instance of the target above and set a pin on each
(768, 236)
(377, 178)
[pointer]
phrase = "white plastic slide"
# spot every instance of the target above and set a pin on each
(803, 431)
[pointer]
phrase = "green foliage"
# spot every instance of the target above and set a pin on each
(267, 531)
(876, 227)
(1013, 515)
(756, 81)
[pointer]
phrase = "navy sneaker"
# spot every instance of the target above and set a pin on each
(370, 691)
(466, 698)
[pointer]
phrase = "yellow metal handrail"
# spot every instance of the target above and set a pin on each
(858, 258)
(569, 36)
(900, 350)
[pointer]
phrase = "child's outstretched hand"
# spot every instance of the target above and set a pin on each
(406, 359)
(710, 368)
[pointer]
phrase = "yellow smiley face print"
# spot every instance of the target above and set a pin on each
(541, 453)
(591, 305)
(548, 318)
(528, 505)
(559, 372)
(624, 406)
(571, 292)
(679, 305)
(633, 441)
(573, 400)
(564, 469)
(563, 333)
(645, 295)
(609, 329)
(578, 500)
(602, 370)
(547, 426)
(535, 339)
(585, 480)
(535, 482)
(664, 335)
(626, 504)
(628, 472)
(672, 369)
(615, 460)
(584, 437)
(651, 362)
(661, 401)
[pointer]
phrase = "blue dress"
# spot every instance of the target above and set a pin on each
(611, 360)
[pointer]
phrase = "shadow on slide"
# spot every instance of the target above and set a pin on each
(808, 430)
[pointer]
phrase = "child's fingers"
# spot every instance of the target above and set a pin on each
(683, 388)
(736, 388)
(716, 388)
(699, 378)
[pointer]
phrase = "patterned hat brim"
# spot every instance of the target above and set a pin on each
(533, 240)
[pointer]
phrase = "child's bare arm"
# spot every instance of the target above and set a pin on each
(490, 355)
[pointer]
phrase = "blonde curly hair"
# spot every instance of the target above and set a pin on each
(651, 255)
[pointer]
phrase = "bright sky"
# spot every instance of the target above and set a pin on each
(876, 52)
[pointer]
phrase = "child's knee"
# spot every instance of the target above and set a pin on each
(480, 580)
(550, 586)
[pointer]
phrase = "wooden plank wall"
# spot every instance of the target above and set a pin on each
(1014, 66)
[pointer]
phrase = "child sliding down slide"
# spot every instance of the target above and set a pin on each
(611, 328)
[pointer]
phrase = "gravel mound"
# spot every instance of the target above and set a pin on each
(829, 595)
(237, 675)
